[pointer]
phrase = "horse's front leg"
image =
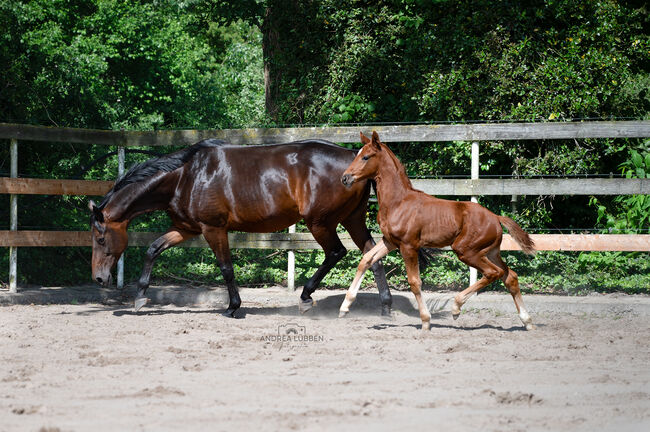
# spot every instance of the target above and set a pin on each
(334, 252)
(171, 238)
(217, 238)
(371, 257)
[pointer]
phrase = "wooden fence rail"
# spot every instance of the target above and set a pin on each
(390, 133)
(454, 187)
(305, 241)
(347, 134)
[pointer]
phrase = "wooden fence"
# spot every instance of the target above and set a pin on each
(473, 186)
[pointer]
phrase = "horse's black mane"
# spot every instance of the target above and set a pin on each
(166, 163)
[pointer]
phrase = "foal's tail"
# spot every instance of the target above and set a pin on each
(521, 237)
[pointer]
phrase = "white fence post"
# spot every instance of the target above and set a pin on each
(291, 265)
(473, 276)
(120, 262)
(13, 219)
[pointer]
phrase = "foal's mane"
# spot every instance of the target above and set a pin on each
(166, 163)
(399, 167)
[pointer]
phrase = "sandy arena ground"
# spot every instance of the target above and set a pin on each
(103, 368)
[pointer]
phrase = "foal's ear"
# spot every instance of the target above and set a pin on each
(375, 140)
(364, 139)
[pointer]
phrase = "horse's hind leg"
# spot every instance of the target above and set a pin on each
(171, 238)
(334, 251)
(217, 238)
(511, 281)
(360, 234)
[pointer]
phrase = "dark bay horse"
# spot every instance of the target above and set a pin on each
(212, 187)
(411, 220)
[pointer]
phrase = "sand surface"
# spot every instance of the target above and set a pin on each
(100, 367)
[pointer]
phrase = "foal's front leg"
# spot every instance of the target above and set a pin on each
(415, 282)
(171, 238)
(380, 250)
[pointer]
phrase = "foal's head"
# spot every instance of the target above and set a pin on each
(367, 162)
(109, 239)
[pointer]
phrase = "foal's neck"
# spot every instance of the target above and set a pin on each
(392, 181)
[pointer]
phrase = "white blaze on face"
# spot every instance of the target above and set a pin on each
(359, 152)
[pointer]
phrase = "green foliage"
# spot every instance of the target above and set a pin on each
(630, 213)
(197, 64)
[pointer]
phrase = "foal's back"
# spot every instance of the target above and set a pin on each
(439, 222)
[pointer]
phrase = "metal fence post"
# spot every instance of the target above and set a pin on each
(473, 275)
(291, 265)
(120, 262)
(13, 219)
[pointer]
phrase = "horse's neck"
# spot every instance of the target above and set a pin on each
(392, 183)
(138, 198)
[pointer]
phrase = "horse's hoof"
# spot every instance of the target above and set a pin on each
(305, 305)
(386, 311)
(230, 313)
(139, 302)
(342, 314)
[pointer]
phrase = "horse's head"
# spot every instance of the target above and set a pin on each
(366, 164)
(109, 240)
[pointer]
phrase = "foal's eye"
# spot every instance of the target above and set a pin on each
(365, 158)
(101, 240)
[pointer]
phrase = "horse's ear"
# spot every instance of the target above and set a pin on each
(99, 216)
(364, 139)
(375, 140)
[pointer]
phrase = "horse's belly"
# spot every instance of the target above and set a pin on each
(263, 223)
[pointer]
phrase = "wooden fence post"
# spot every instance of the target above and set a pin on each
(473, 276)
(120, 262)
(291, 265)
(13, 219)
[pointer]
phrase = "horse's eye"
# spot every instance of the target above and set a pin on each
(365, 158)
(101, 240)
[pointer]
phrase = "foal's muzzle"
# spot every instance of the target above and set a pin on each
(347, 180)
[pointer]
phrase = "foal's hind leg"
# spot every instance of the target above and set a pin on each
(511, 281)
(217, 238)
(334, 251)
(490, 271)
(171, 238)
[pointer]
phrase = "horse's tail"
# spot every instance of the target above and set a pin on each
(521, 237)
(426, 256)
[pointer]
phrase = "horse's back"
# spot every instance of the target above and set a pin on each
(267, 187)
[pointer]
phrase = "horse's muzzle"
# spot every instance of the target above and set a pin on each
(104, 281)
(347, 180)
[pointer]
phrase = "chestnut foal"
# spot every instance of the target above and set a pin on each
(410, 220)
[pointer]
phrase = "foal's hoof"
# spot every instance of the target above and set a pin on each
(305, 305)
(342, 314)
(139, 302)
(530, 326)
(455, 311)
